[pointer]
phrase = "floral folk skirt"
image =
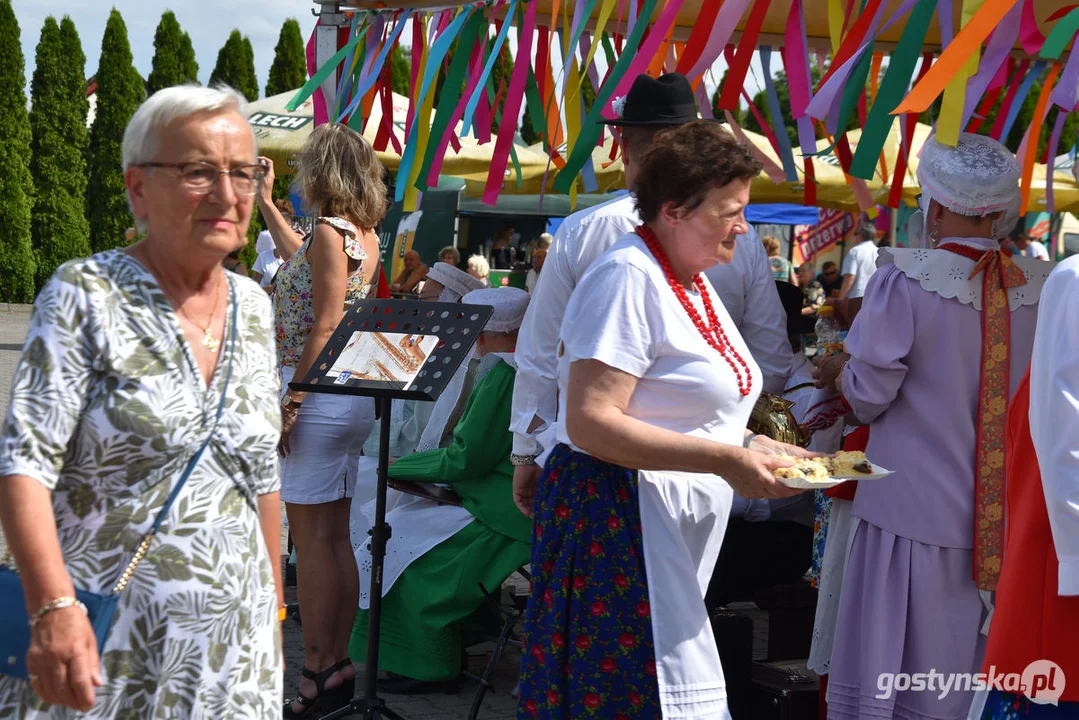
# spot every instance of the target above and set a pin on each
(1011, 706)
(588, 648)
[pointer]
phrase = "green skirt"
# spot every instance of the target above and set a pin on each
(436, 608)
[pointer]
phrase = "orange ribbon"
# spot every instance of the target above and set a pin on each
(999, 274)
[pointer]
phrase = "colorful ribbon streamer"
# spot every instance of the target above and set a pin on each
(786, 154)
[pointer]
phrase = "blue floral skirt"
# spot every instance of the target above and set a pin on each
(588, 649)
(1012, 706)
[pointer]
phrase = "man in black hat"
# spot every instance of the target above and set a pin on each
(745, 286)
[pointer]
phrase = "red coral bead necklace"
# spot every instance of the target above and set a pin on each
(712, 332)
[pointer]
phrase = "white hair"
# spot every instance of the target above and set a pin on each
(165, 107)
(479, 267)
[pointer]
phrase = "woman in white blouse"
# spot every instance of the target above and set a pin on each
(656, 387)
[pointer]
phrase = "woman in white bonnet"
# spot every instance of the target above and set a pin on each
(934, 389)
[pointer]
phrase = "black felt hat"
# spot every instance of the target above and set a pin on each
(666, 100)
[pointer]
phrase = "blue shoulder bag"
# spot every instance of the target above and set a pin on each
(100, 607)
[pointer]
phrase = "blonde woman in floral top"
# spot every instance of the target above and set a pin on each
(340, 179)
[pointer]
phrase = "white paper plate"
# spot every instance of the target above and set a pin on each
(803, 484)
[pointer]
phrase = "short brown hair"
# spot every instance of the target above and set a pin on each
(685, 163)
(339, 175)
(771, 245)
(284, 206)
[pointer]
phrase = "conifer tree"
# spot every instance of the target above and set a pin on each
(119, 93)
(289, 69)
(59, 230)
(16, 185)
(236, 66)
(171, 65)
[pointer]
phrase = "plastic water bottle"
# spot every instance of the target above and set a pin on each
(829, 334)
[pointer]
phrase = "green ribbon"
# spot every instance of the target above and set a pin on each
(591, 128)
(534, 106)
(1061, 35)
(323, 73)
(452, 88)
(892, 90)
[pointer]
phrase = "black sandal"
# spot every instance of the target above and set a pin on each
(311, 705)
(343, 695)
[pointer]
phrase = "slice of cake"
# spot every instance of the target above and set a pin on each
(808, 469)
(850, 464)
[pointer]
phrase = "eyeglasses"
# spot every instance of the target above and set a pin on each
(201, 177)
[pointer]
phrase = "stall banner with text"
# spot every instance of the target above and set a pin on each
(833, 226)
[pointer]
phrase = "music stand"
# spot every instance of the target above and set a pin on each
(387, 350)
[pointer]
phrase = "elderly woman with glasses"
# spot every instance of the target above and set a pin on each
(134, 359)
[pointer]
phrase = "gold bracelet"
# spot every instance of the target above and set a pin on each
(60, 603)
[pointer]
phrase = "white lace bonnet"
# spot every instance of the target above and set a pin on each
(977, 177)
(455, 282)
(509, 303)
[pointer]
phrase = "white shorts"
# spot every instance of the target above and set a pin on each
(326, 445)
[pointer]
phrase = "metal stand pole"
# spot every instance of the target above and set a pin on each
(371, 705)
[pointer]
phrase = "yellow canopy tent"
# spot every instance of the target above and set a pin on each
(281, 135)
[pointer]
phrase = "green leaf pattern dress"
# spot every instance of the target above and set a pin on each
(107, 407)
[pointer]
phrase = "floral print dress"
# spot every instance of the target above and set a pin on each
(107, 407)
(294, 309)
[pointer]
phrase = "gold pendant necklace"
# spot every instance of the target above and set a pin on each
(209, 341)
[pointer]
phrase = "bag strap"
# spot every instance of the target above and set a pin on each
(140, 552)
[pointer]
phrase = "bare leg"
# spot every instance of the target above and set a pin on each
(348, 581)
(318, 589)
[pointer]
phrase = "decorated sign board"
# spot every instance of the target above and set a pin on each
(833, 227)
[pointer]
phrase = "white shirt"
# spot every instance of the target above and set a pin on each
(531, 279)
(1054, 414)
(1035, 250)
(267, 265)
(861, 262)
(745, 287)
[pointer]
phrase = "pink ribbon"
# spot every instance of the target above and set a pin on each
(318, 99)
(512, 108)
(1030, 36)
(726, 23)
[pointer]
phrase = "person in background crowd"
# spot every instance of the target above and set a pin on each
(927, 548)
(450, 255)
(232, 263)
(1028, 247)
(745, 285)
(860, 263)
(830, 279)
(269, 261)
(544, 241)
(781, 268)
(129, 355)
(616, 622)
(440, 555)
(448, 283)
(412, 275)
(479, 268)
(812, 290)
(340, 180)
(501, 252)
(1037, 599)
(538, 259)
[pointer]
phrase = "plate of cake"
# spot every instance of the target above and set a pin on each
(820, 473)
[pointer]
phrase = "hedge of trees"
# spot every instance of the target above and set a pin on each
(61, 185)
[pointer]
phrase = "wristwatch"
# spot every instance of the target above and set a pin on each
(288, 403)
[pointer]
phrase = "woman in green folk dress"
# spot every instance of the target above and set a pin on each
(122, 372)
